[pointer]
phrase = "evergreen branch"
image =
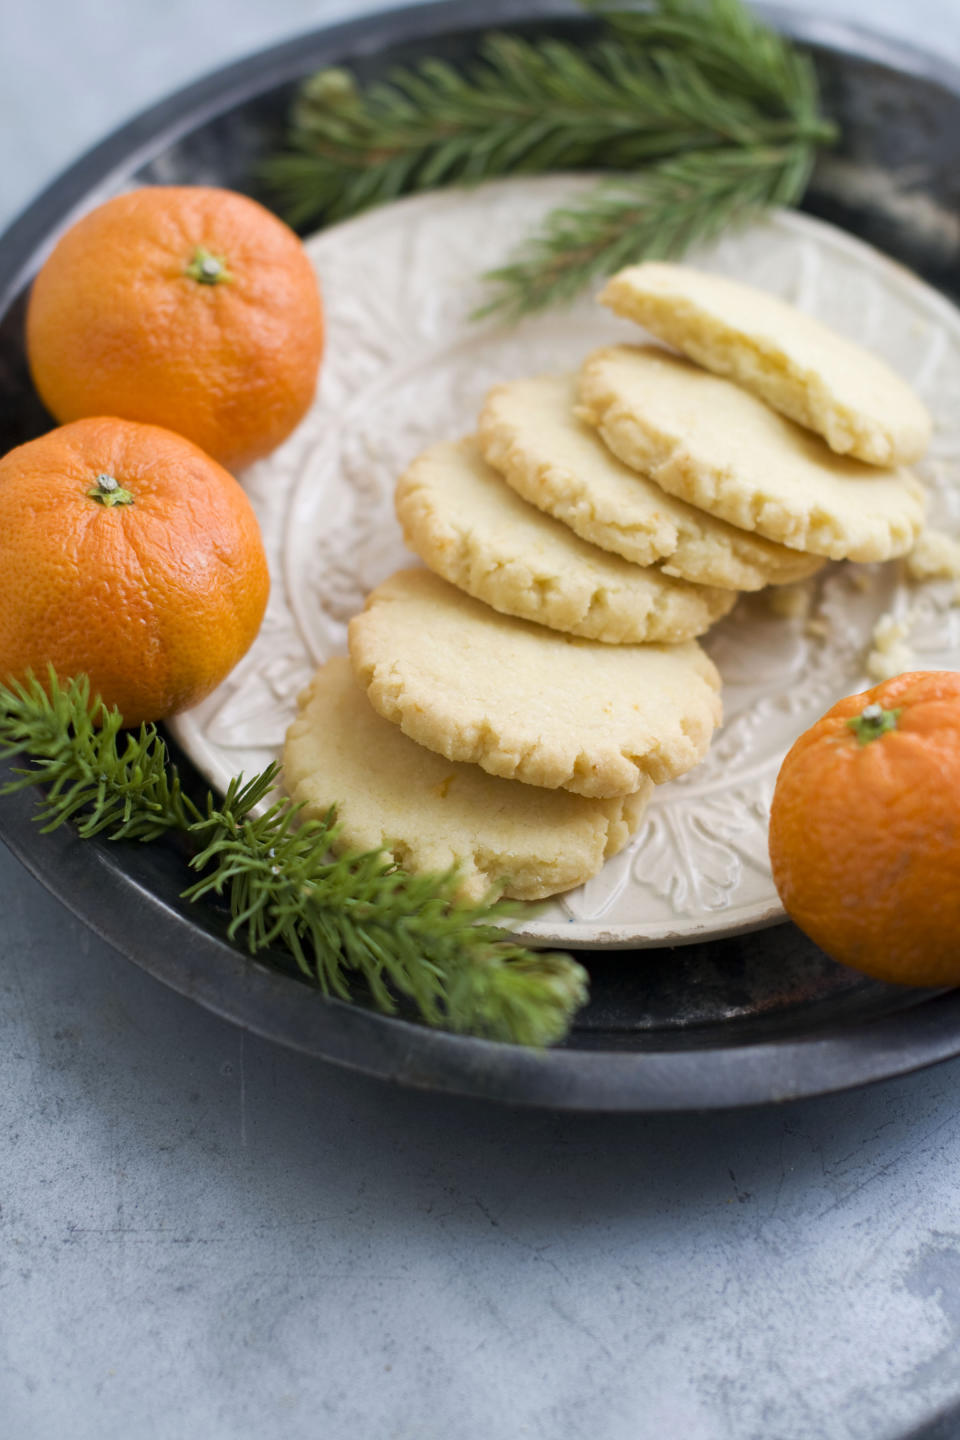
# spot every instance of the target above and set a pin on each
(356, 916)
(107, 783)
(733, 50)
(657, 215)
(404, 935)
(524, 107)
(712, 115)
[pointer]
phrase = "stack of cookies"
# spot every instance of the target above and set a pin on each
(509, 709)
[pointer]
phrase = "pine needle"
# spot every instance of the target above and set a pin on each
(344, 919)
(709, 115)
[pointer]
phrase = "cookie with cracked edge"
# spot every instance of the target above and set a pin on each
(428, 814)
(718, 447)
(792, 361)
(528, 703)
(467, 524)
(529, 433)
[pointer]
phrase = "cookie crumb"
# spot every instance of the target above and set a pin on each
(890, 655)
(936, 556)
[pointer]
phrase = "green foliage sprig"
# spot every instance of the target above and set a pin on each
(655, 216)
(711, 115)
(105, 779)
(343, 918)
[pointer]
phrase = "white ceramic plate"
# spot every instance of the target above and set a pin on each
(405, 366)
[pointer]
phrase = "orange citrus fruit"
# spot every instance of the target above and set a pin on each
(187, 307)
(865, 830)
(127, 554)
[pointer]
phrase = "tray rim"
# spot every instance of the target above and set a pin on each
(196, 963)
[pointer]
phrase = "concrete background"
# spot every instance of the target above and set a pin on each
(202, 1235)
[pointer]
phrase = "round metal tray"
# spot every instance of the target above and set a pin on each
(748, 1020)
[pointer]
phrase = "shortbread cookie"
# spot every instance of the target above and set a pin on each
(528, 703)
(793, 362)
(471, 528)
(722, 449)
(529, 433)
(428, 813)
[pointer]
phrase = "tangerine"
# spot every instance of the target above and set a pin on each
(865, 830)
(128, 554)
(183, 306)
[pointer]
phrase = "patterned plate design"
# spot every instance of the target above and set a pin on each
(405, 366)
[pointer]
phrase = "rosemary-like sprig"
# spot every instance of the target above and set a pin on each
(656, 216)
(343, 918)
(710, 115)
(105, 779)
(732, 49)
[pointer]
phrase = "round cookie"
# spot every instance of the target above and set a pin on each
(722, 449)
(528, 703)
(792, 361)
(529, 433)
(428, 813)
(471, 528)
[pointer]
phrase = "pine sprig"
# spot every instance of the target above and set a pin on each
(523, 107)
(658, 215)
(734, 50)
(672, 82)
(92, 771)
(404, 935)
(346, 918)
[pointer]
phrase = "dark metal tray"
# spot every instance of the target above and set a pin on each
(759, 1018)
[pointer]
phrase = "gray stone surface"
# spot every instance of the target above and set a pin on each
(202, 1235)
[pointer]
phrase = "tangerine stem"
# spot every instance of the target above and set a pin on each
(109, 492)
(207, 268)
(872, 722)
